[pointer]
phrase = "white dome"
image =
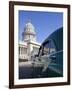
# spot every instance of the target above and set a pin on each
(29, 33)
(29, 29)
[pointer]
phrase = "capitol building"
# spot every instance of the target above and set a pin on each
(28, 47)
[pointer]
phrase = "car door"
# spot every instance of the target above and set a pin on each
(51, 57)
(56, 57)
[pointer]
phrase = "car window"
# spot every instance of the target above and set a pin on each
(49, 47)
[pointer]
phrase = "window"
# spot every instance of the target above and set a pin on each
(48, 47)
(52, 47)
(23, 50)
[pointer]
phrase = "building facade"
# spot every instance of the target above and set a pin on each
(28, 47)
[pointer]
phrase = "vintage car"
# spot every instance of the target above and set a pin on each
(50, 55)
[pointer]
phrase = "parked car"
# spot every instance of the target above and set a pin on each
(50, 55)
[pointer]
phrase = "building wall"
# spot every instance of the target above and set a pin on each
(27, 51)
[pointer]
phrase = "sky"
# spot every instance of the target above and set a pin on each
(44, 22)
